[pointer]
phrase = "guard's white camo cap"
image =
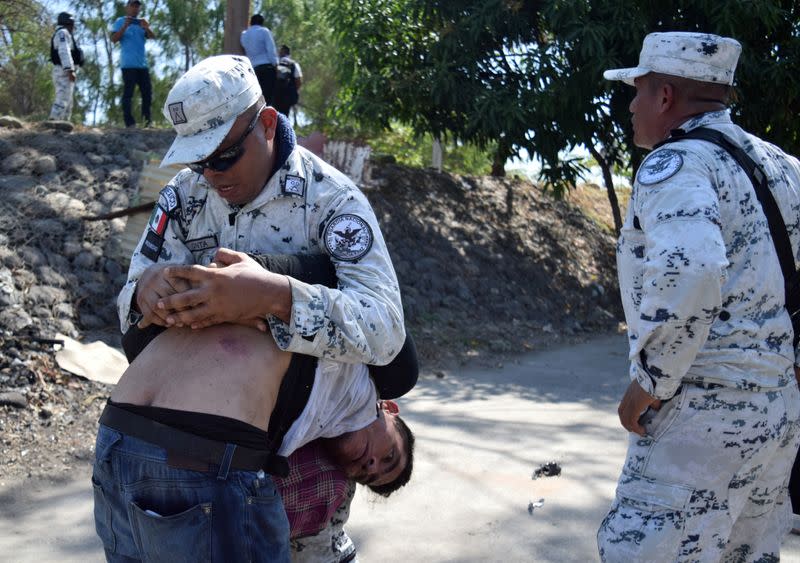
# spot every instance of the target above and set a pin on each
(697, 56)
(204, 104)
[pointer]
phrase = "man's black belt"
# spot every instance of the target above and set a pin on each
(184, 446)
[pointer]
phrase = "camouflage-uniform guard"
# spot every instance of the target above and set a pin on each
(62, 48)
(705, 476)
(306, 207)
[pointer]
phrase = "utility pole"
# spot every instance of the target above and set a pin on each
(237, 16)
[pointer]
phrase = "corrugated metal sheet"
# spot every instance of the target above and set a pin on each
(151, 180)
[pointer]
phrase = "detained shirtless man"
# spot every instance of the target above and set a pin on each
(183, 452)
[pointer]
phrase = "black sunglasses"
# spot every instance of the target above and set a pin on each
(230, 156)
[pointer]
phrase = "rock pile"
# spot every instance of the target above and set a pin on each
(57, 276)
(56, 273)
(493, 265)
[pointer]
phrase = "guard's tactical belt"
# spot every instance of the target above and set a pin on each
(777, 226)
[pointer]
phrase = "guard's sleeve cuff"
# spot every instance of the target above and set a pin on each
(639, 374)
(306, 319)
(663, 389)
(125, 308)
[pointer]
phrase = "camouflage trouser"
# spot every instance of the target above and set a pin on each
(331, 545)
(62, 105)
(709, 482)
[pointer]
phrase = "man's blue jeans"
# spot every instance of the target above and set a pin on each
(145, 510)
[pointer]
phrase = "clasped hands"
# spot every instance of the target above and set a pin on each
(232, 289)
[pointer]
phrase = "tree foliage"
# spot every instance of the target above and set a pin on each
(301, 25)
(189, 24)
(593, 112)
(24, 58)
(186, 31)
(450, 68)
(409, 149)
(484, 76)
(527, 74)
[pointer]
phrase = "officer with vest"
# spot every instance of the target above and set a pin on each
(713, 404)
(65, 56)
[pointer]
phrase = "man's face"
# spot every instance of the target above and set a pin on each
(374, 455)
(132, 10)
(648, 129)
(241, 183)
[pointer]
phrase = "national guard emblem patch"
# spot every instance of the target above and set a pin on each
(659, 166)
(176, 113)
(348, 237)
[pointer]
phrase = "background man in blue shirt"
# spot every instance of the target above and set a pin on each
(131, 31)
(259, 46)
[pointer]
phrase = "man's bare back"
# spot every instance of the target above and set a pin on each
(226, 370)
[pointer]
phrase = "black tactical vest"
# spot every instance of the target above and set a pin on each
(77, 52)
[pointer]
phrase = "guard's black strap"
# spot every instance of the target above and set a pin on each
(777, 226)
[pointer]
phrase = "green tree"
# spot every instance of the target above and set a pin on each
(457, 70)
(592, 112)
(25, 84)
(403, 146)
(527, 74)
(97, 94)
(187, 25)
(301, 24)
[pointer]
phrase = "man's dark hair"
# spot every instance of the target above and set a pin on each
(286, 49)
(405, 475)
(257, 19)
(694, 90)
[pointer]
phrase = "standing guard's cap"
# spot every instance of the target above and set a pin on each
(204, 104)
(697, 56)
(65, 18)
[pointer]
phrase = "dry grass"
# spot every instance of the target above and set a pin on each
(593, 200)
